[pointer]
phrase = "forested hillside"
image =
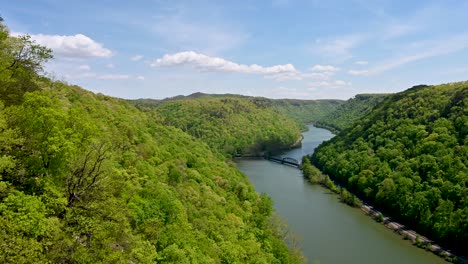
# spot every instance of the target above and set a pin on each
(87, 178)
(232, 125)
(306, 111)
(409, 156)
(301, 111)
(344, 115)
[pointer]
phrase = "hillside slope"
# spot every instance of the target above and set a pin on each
(409, 156)
(306, 111)
(87, 178)
(231, 125)
(352, 110)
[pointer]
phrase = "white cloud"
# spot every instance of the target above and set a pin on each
(324, 68)
(361, 62)
(92, 75)
(286, 76)
(285, 92)
(342, 83)
(80, 76)
(319, 72)
(72, 46)
(136, 58)
(358, 72)
(208, 63)
(141, 78)
(328, 84)
(319, 75)
(110, 66)
(113, 77)
(84, 67)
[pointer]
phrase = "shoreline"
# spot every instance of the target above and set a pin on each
(298, 142)
(417, 239)
(408, 234)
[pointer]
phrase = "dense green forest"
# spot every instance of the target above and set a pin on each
(409, 157)
(87, 178)
(306, 111)
(352, 110)
(231, 125)
(302, 111)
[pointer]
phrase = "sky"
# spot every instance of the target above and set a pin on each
(305, 49)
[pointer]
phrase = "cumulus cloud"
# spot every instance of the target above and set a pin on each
(358, 72)
(285, 92)
(317, 72)
(281, 72)
(286, 76)
(136, 58)
(92, 75)
(324, 68)
(72, 46)
(208, 63)
(298, 76)
(113, 77)
(141, 78)
(80, 76)
(328, 84)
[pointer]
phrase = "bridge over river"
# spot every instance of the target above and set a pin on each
(331, 232)
(285, 160)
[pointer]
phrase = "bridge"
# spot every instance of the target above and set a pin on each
(285, 160)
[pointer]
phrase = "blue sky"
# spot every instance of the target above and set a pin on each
(311, 49)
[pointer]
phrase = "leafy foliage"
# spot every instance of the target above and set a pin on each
(87, 178)
(315, 176)
(306, 111)
(349, 112)
(410, 157)
(231, 125)
(302, 111)
(21, 60)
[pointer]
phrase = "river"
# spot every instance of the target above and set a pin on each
(331, 232)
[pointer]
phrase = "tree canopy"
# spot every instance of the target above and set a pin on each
(349, 112)
(409, 156)
(231, 125)
(87, 178)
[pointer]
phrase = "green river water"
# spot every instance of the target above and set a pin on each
(330, 232)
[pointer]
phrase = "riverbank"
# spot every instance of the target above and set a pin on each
(315, 176)
(264, 153)
(298, 142)
(329, 230)
(417, 239)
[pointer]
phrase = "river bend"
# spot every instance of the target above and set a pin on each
(331, 232)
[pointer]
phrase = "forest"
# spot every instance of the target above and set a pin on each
(87, 178)
(332, 114)
(306, 111)
(409, 157)
(302, 111)
(231, 125)
(347, 113)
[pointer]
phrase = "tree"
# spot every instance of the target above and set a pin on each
(21, 62)
(87, 173)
